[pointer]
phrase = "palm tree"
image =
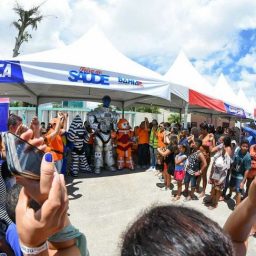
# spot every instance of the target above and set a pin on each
(174, 118)
(26, 18)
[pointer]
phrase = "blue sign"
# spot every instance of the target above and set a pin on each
(4, 107)
(234, 110)
(128, 81)
(10, 72)
(75, 76)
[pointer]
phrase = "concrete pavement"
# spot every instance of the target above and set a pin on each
(102, 206)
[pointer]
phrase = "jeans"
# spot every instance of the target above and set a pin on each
(143, 154)
(58, 165)
(190, 178)
(153, 154)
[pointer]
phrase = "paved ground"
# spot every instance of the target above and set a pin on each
(102, 207)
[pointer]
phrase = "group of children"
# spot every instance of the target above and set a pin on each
(185, 157)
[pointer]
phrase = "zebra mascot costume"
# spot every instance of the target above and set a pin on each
(78, 135)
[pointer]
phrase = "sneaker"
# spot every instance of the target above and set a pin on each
(97, 170)
(112, 168)
(87, 170)
(74, 173)
(150, 169)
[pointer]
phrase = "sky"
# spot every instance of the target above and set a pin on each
(218, 36)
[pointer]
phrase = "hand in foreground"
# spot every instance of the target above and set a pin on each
(34, 228)
(39, 190)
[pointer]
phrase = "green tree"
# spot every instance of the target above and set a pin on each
(145, 109)
(174, 118)
(26, 19)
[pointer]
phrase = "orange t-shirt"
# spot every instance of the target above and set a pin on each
(143, 136)
(160, 137)
(55, 144)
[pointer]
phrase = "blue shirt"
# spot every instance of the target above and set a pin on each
(241, 164)
(12, 239)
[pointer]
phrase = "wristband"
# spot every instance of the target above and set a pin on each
(35, 250)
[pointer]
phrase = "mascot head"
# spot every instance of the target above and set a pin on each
(106, 100)
(123, 124)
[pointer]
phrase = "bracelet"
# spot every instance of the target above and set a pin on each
(35, 250)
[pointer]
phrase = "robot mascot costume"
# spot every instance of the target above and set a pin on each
(78, 136)
(102, 121)
(124, 138)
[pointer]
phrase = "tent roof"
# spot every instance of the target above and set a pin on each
(243, 99)
(93, 51)
(184, 74)
(225, 92)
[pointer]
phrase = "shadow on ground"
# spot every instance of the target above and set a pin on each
(71, 188)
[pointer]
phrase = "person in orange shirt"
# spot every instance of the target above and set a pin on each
(54, 139)
(142, 134)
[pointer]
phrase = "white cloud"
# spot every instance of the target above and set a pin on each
(146, 30)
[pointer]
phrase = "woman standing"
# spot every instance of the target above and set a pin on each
(208, 142)
(169, 159)
(220, 168)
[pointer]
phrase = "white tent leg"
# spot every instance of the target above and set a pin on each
(186, 116)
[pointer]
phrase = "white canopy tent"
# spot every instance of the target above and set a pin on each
(186, 78)
(225, 92)
(244, 101)
(85, 70)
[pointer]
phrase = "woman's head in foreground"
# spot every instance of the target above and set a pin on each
(175, 230)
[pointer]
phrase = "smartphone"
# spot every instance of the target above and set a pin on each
(22, 158)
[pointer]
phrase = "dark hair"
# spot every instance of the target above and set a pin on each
(211, 128)
(175, 230)
(204, 126)
(199, 142)
(12, 198)
(244, 141)
(227, 141)
(12, 121)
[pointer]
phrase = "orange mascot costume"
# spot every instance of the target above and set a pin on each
(124, 145)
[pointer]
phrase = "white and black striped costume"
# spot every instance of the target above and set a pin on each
(3, 213)
(78, 135)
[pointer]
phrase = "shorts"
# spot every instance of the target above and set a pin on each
(190, 178)
(235, 183)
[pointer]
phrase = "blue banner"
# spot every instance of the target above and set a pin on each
(10, 72)
(4, 108)
(234, 111)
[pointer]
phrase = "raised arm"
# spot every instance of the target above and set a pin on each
(239, 224)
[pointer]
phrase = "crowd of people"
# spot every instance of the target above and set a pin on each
(193, 159)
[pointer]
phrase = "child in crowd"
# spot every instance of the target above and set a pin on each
(179, 172)
(239, 171)
(220, 168)
(195, 166)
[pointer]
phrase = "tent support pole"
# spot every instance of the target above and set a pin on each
(180, 115)
(122, 109)
(186, 116)
(37, 100)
